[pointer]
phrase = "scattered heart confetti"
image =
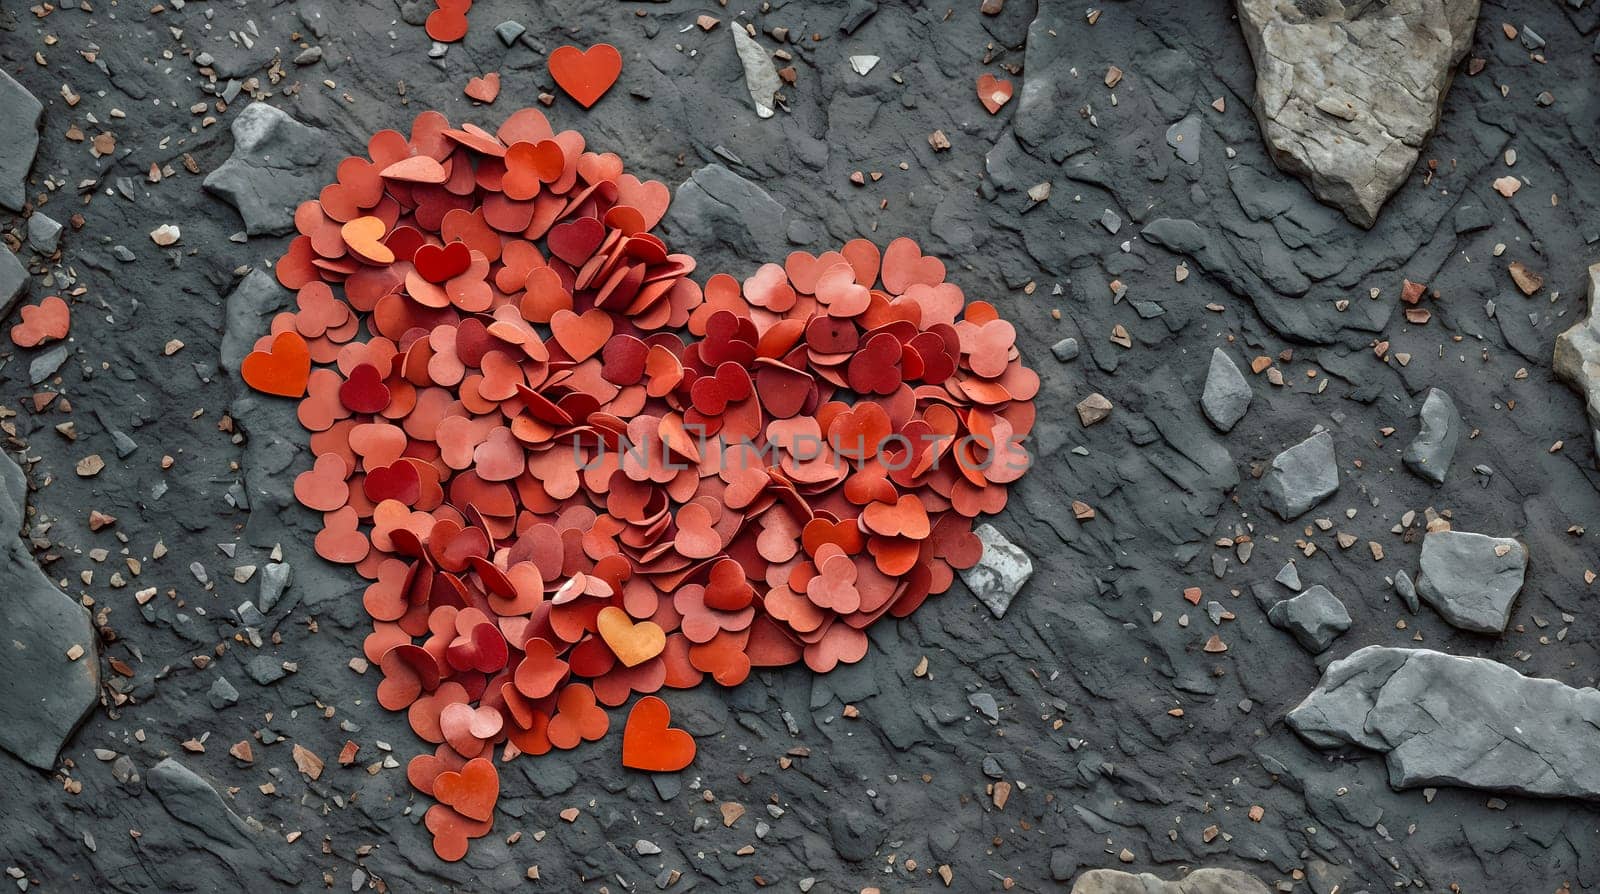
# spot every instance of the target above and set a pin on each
(572, 475)
(585, 75)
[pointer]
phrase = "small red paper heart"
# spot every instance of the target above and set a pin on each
(585, 75)
(46, 321)
(282, 370)
(484, 89)
(993, 92)
(437, 264)
(472, 792)
(648, 743)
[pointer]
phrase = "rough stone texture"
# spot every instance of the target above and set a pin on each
(13, 280)
(1079, 646)
(44, 695)
(21, 113)
(1472, 580)
(1577, 357)
(760, 78)
(1201, 881)
(209, 844)
(1000, 574)
(1302, 476)
(276, 164)
(1451, 720)
(1315, 617)
(717, 207)
(1429, 454)
(1227, 393)
(250, 308)
(1347, 91)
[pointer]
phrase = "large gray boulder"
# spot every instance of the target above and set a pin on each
(13, 281)
(1302, 476)
(1449, 720)
(44, 693)
(276, 164)
(21, 113)
(1577, 359)
(1471, 580)
(1201, 881)
(1347, 91)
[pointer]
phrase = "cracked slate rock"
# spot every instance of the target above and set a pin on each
(21, 112)
(1302, 476)
(275, 165)
(1227, 393)
(1577, 359)
(1201, 881)
(1467, 582)
(1000, 573)
(1452, 720)
(1315, 617)
(1347, 91)
(1430, 453)
(44, 695)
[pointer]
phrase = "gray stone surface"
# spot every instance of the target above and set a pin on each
(1577, 358)
(760, 77)
(1429, 453)
(1316, 618)
(1302, 476)
(22, 114)
(13, 280)
(207, 843)
(276, 164)
(1200, 881)
(44, 693)
(1000, 574)
(1227, 392)
(1450, 720)
(1470, 579)
(717, 207)
(1347, 91)
(249, 311)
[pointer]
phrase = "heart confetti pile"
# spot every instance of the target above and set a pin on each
(573, 475)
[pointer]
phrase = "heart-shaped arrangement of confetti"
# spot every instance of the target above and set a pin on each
(572, 475)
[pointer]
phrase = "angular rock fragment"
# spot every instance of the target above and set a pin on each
(21, 113)
(760, 78)
(1471, 580)
(49, 671)
(1200, 881)
(1347, 91)
(1577, 359)
(1302, 476)
(1430, 453)
(1227, 393)
(275, 165)
(1450, 720)
(1315, 617)
(1000, 574)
